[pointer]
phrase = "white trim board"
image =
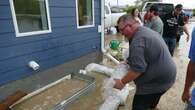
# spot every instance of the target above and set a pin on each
(77, 17)
(18, 34)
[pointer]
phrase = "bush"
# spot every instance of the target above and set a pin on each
(193, 11)
(128, 9)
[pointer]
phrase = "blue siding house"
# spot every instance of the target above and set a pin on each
(59, 35)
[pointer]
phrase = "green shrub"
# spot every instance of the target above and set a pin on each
(129, 8)
(193, 12)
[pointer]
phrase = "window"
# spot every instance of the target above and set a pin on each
(117, 10)
(85, 13)
(30, 17)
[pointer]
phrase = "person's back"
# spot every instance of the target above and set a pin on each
(171, 25)
(157, 67)
(172, 21)
(156, 25)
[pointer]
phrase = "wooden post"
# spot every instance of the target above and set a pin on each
(11, 99)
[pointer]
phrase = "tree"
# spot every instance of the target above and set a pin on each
(129, 8)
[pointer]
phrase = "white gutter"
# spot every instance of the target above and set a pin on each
(102, 35)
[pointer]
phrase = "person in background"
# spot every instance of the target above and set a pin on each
(190, 76)
(151, 65)
(154, 22)
(136, 14)
(146, 16)
(181, 30)
(172, 21)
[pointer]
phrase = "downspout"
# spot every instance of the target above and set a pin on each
(102, 35)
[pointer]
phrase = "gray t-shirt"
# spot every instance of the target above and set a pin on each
(156, 25)
(149, 55)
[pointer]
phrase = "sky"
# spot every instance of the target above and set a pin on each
(121, 2)
(185, 3)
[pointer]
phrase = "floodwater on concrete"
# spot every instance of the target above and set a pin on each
(51, 96)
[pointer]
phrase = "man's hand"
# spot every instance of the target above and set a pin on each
(185, 29)
(118, 84)
(124, 62)
(185, 96)
(187, 38)
(130, 76)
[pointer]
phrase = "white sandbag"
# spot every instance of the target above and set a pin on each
(107, 88)
(108, 91)
(123, 94)
(99, 68)
(113, 97)
(120, 71)
(117, 73)
(111, 103)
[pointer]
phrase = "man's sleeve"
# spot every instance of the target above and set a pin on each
(136, 58)
(192, 47)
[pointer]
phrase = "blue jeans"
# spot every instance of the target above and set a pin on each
(146, 101)
(171, 43)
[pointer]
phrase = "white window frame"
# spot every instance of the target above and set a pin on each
(18, 34)
(77, 16)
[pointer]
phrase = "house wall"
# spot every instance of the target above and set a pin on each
(63, 44)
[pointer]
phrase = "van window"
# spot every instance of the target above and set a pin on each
(117, 10)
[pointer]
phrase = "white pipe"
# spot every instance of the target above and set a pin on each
(102, 35)
(34, 65)
(112, 58)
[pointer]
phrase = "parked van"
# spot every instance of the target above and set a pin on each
(112, 16)
(163, 8)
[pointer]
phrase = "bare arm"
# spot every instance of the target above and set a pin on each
(190, 78)
(186, 32)
(130, 76)
(137, 63)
